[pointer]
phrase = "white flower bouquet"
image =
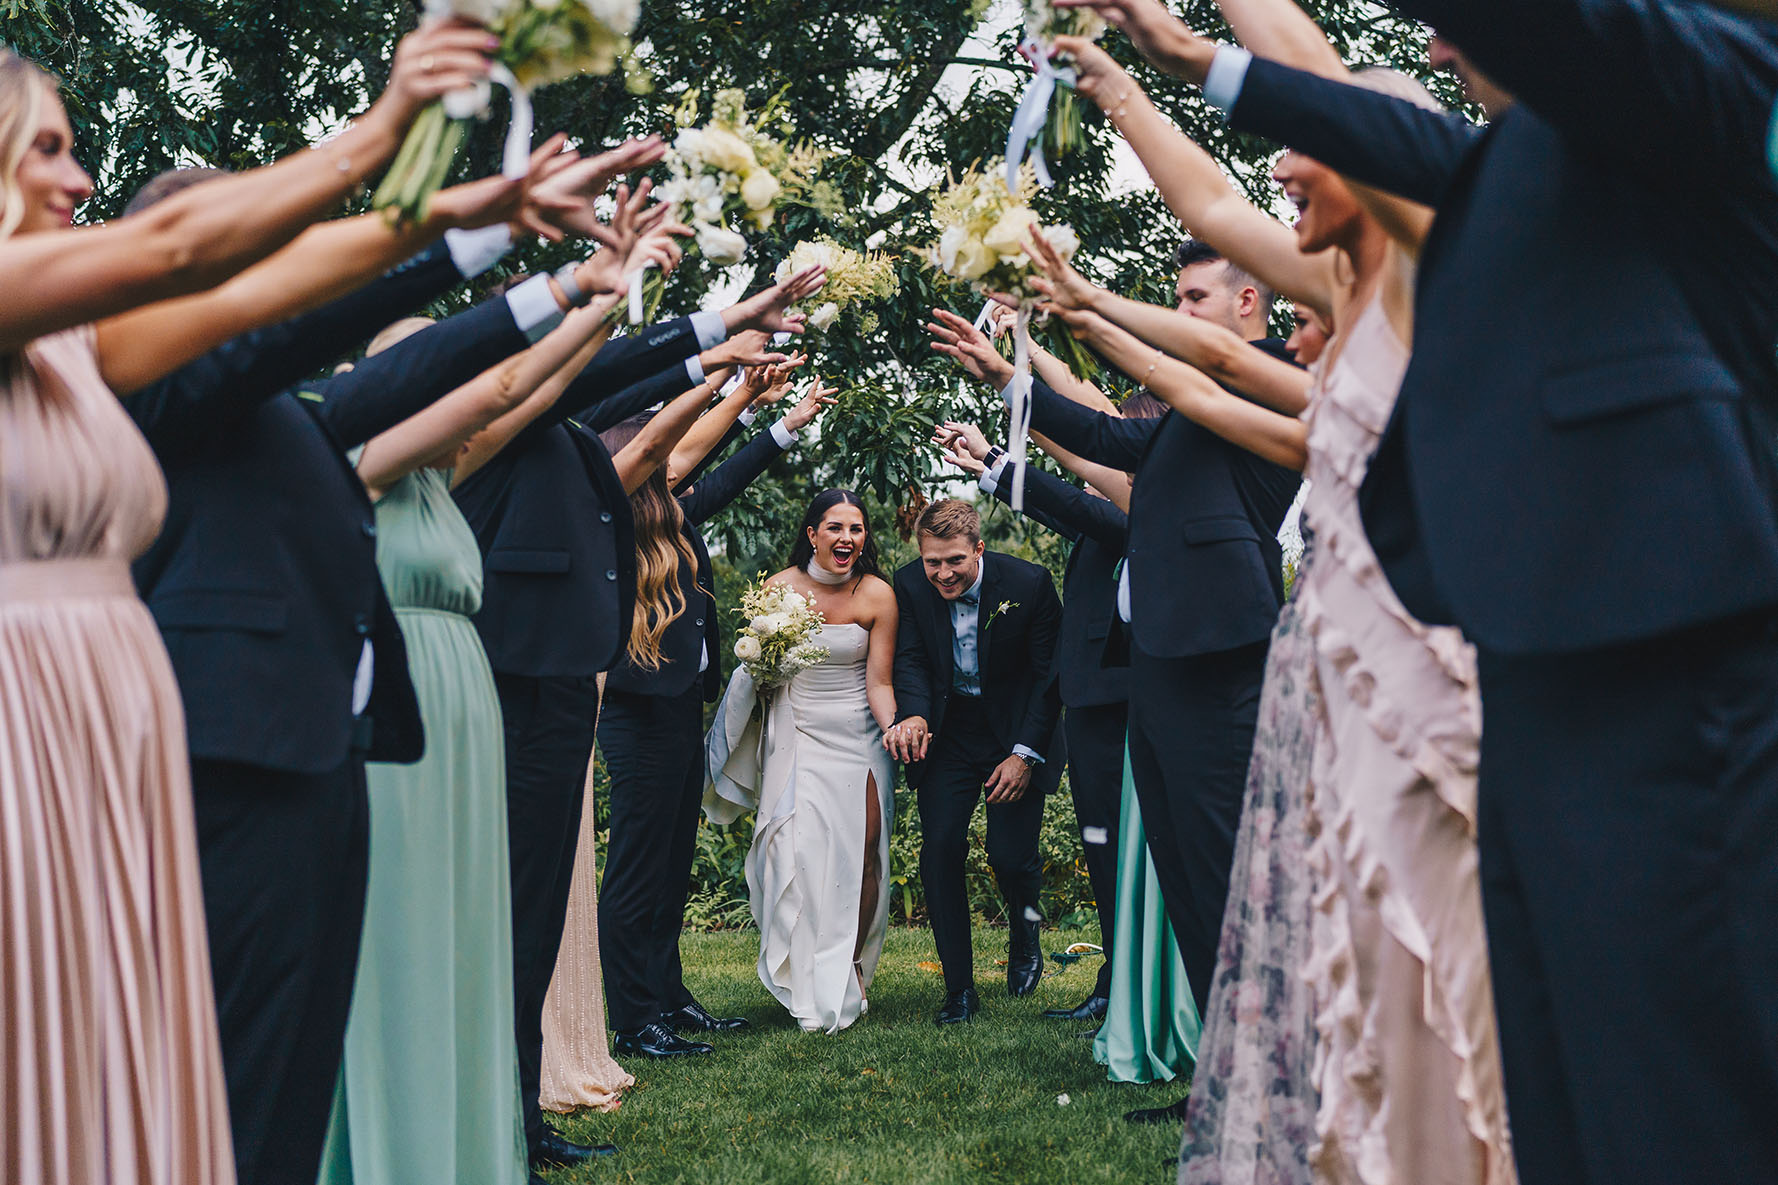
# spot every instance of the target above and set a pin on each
(541, 42)
(776, 642)
(985, 231)
(1044, 22)
(853, 277)
(731, 166)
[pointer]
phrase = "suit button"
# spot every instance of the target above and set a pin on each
(611, 574)
(370, 529)
(700, 621)
(362, 625)
(604, 516)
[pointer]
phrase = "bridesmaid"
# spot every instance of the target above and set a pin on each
(111, 1069)
(433, 1000)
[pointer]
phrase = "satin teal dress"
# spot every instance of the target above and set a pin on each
(1151, 1028)
(429, 1087)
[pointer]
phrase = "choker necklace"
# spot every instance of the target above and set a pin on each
(821, 575)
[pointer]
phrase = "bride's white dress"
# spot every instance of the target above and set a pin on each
(806, 760)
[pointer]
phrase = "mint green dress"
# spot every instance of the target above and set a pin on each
(429, 1087)
(1151, 1029)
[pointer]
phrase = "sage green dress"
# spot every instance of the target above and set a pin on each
(429, 1088)
(1151, 1029)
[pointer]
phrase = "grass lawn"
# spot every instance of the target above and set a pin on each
(894, 1099)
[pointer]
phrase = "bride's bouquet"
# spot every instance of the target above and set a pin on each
(732, 167)
(776, 641)
(1044, 22)
(853, 277)
(541, 41)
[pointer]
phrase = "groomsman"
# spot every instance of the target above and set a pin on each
(976, 710)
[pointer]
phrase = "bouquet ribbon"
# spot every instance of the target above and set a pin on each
(1018, 399)
(472, 102)
(1026, 136)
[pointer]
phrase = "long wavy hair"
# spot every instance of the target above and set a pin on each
(661, 549)
(802, 551)
(24, 88)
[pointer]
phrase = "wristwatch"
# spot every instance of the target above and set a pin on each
(578, 297)
(1030, 761)
(995, 455)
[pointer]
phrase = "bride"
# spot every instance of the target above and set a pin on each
(809, 758)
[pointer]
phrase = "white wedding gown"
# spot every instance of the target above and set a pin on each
(806, 763)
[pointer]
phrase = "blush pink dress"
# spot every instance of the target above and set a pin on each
(110, 1065)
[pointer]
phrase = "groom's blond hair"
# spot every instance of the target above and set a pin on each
(949, 519)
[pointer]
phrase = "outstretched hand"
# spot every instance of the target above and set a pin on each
(639, 235)
(572, 189)
(953, 451)
(1166, 41)
(750, 348)
(955, 432)
(810, 406)
(769, 310)
(960, 339)
(437, 58)
(772, 383)
(1065, 287)
(497, 199)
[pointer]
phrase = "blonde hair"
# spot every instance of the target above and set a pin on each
(394, 335)
(24, 88)
(950, 519)
(661, 549)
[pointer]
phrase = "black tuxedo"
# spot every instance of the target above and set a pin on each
(1095, 696)
(554, 526)
(1593, 392)
(265, 586)
(651, 734)
(1017, 623)
(1206, 583)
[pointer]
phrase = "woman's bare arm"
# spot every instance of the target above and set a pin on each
(879, 666)
(651, 447)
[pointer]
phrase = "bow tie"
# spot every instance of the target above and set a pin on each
(970, 598)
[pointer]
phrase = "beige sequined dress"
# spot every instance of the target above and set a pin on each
(110, 1065)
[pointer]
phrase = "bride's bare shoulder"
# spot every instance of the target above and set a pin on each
(876, 591)
(781, 577)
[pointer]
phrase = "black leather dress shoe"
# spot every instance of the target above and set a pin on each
(1024, 955)
(1174, 1113)
(693, 1019)
(959, 1007)
(1092, 1008)
(557, 1151)
(657, 1040)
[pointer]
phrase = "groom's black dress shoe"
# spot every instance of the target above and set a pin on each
(1024, 956)
(693, 1019)
(657, 1040)
(1174, 1113)
(1092, 1008)
(959, 1007)
(556, 1151)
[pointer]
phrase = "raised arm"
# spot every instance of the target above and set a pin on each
(1115, 484)
(717, 428)
(54, 280)
(651, 447)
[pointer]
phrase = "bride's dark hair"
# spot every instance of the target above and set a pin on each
(803, 551)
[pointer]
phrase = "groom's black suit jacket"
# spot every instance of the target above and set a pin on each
(1015, 652)
(1593, 388)
(264, 580)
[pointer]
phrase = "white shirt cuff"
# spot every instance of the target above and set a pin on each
(1123, 595)
(1228, 72)
(710, 330)
(746, 418)
(990, 480)
(783, 435)
(1027, 751)
(1006, 391)
(475, 251)
(694, 370)
(534, 308)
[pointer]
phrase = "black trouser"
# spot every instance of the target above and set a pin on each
(1096, 779)
(653, 748)
(963, 755)
(548, 724)
(1629, 862)
(1191, 736)
(285, 857)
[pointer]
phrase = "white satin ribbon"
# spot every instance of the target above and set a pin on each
(637, 312)
(1026, 135)
(472, 102)
(1019, 403)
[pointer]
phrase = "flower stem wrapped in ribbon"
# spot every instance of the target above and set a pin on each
(541, 41)
(1044, 22)
(984, 232)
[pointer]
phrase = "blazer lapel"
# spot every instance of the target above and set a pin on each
(940, 637)
(984, 615)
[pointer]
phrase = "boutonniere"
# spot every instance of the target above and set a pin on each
(1002, 607)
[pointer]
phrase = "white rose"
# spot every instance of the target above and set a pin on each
(728, 152)
(689, 144)
(950, 244)
(824, 316)
(760, 190)
(774, 624)
(720, 245)
(1062, 240)
(974, 261)
(1009, 235)
(747, 648)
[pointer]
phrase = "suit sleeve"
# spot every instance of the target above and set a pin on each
(240, 374)
(1046, 706)
(722, 446)
(1070, 511)
(618, 366)
(724, 483)
(669, 384)
(1378, 139)
(1104, 439)
(410, 376)
(913, 674)
(1682, 88)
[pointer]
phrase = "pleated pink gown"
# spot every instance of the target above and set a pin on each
(110, 1066)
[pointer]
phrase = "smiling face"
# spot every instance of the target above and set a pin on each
(1327, 213)
(1204, 290)
(50, 182)
(839, 538)
(952, 565)
(1309, 337)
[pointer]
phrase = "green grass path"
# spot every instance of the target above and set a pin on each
(894, 1099)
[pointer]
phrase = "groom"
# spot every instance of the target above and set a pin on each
(976, 710)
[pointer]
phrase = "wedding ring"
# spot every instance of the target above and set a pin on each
(427, 63)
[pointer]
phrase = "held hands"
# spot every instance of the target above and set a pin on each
(431, 62)
(971, 348)
(1165, 40)
(810, 407)
(766, 310)
(907, 742)
(1009, 781)
(954, 451)
(966, 438)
